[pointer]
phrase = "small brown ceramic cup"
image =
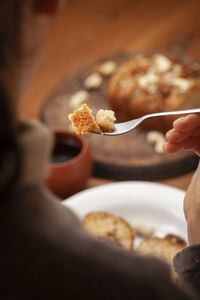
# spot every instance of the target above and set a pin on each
(71, 164)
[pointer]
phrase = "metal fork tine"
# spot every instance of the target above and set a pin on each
(121, 128)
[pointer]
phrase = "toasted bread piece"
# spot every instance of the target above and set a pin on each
(163, 248)
(83, 120)
(109, 227)
(105, 120)
(175, 239)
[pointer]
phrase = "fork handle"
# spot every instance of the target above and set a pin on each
(175, 112)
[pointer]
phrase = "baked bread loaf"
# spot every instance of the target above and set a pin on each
(163, 248)
(109, 227)
(152, 83)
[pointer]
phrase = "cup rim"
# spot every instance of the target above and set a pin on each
(79, 156)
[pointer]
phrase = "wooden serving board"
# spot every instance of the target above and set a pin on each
(124, 157)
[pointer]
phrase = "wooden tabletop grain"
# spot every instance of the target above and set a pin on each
(85, 31)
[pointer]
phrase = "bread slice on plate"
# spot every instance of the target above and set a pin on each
(164, 248)
(109, 227)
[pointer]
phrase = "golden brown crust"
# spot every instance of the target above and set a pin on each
(109, 227)
(162, 248)
(175, 239)
(83, 120)
(148, 84)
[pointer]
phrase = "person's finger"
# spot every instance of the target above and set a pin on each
(187, 123)
(175, 136)
(191, 143)
(196, 133)
(171, 147)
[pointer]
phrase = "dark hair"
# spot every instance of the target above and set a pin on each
(10, 27)
(10, 20)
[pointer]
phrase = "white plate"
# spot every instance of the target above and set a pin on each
(153, 204)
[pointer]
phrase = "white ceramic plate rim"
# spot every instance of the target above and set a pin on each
(153, 204)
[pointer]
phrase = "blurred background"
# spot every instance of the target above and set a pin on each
(86, 31)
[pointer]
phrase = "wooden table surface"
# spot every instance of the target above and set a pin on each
(85, 31)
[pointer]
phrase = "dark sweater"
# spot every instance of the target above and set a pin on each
(187, 265)
(45, 254)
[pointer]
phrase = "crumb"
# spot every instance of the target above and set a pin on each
(158, 140)
(93, 81)
(107, 68)
(78, 98)
(142, 229)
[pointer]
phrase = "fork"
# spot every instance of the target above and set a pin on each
(124, 127)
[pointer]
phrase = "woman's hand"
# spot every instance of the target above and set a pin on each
(192, 209)
(184, 135)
